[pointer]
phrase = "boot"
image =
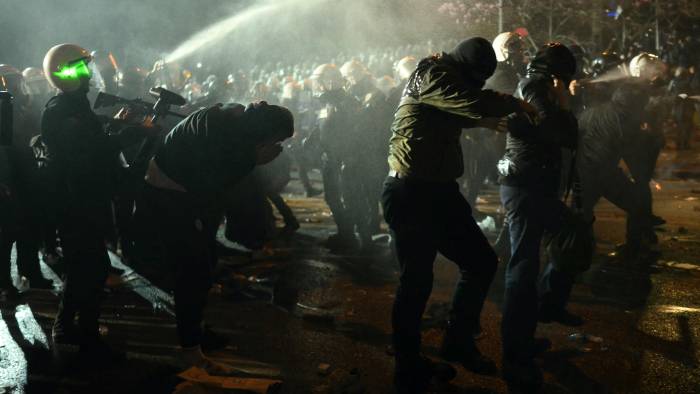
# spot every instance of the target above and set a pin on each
(459, 346)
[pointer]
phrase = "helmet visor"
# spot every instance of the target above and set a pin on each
(75, 70)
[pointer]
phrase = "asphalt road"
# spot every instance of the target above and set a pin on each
(297, 307)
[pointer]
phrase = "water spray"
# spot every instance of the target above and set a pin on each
(220, 30)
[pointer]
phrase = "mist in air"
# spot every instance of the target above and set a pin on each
(218, 33)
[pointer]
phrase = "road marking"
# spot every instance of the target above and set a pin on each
(13, 365)
(682, 266)
(676, 309)
(160, 299)
(29, 327)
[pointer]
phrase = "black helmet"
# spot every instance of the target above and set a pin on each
(604, 62)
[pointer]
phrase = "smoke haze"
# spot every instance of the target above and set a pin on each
(140, 32)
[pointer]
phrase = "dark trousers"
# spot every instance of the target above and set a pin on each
(616, 187)
(332, 171)
(188, 238)
(87, 263)
(427, 218)
(26, 236)
(283, 208)
(360, 203)
(530, 214)
(641, 159)
(249, 217)
(124, 222)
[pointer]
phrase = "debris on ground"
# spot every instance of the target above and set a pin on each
(586, 342)
(252, 385)
(324, 369)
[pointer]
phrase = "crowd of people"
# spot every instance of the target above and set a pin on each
(410, 133)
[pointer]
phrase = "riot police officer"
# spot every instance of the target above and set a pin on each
(335, 134)
(84, 160)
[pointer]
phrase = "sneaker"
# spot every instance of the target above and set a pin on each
(562, 317)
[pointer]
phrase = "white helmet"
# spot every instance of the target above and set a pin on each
(35, 81)
(65, 66)
(354, 71)
(326, 78)
(11, 80)
(290, 90)
(647, 66)
(385, 84)
(405, 67)
(504, 44)
(33, 74)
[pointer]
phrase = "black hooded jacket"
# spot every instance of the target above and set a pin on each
(443, 96)
(533, 150)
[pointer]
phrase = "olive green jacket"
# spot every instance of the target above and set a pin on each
(437, 104)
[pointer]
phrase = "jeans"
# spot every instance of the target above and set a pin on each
(530, 214)
(426, 218)
(82, 234)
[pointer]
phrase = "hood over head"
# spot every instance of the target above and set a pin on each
(553, 59)
(475, 58)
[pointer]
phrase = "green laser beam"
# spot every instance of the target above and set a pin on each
(75, 70)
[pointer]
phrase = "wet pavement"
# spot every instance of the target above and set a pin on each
(320, 322)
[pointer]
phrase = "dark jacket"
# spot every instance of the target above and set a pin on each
(438, 102)
(533, 151)
(337, 122)
(83, 156)
(601, 138)
(207, 152)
